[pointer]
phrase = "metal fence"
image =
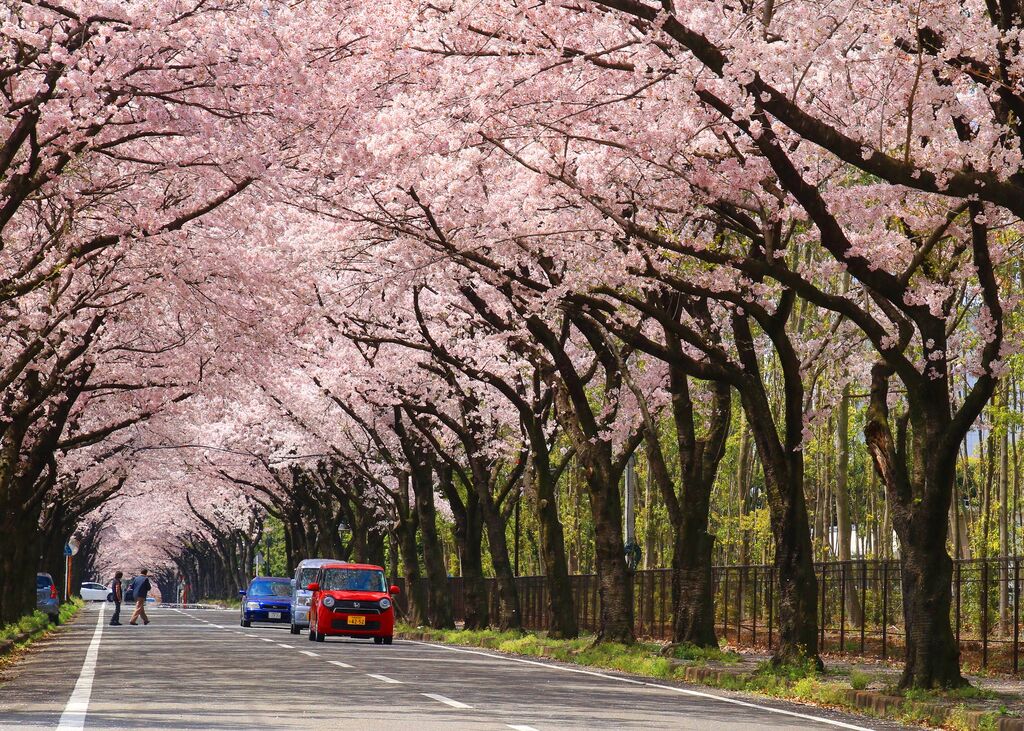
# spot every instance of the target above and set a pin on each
(860, 605)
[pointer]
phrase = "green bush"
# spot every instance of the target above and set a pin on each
(859, 680)
(30, 623)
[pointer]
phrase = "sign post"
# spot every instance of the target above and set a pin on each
(70, 549)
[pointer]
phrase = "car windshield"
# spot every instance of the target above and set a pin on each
(307, 577)
(353, 580)
(43, 582)
(270, 588)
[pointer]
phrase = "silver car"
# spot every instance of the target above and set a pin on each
(305, 572)
(47, 597)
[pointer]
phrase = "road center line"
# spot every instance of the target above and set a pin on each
(310, 654)
(339, 664)
(384, 678)
(520, 727)
(682, 691)
(287, 647)
(266, 639)
(446, 700)
(77, 707)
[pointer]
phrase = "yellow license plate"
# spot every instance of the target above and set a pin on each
(354, 619)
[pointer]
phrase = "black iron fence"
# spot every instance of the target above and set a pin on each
(860, 605)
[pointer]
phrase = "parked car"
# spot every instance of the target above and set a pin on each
(47, 598)
(90, 591)
(305, 574)
(268, 599)
(351, 600)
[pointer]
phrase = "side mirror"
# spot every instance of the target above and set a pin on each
(241, 592)
(314, 587)
(393, 591)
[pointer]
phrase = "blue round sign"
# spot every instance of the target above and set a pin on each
(67, 550)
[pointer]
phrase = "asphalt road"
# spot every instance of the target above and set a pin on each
(200, 670)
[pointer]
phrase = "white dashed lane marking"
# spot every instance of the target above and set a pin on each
(384, 678)
(446, 700)
(339, 664)
(519, 727)
(307, 652)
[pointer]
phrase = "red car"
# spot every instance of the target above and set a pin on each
(351, 600)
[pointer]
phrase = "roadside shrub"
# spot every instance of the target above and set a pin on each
(859, 680)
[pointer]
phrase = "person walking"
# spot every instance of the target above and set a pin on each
(140, 588)
(115, 589)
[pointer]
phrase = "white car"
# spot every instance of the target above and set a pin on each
(90, 591)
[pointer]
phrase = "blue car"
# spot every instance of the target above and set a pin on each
(268, 599)
(47, 598)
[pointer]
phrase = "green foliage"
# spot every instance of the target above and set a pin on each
(38, 623)
(859, 680)
(705, 654)
(31, 623)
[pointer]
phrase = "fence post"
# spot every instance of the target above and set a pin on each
(753, 604)
(885, 607)
(725, 603)
(984, 613)
(959, 588)
(771, 604)
(1016, 614)
(821, 628)
(863, 602)
(842, 607)
(739, 603)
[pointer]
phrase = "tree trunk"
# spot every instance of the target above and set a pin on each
(509, 617)
(794, 552)
(416, 614)
(473, 586)
(439, 600)
(920, 500)
(19, 557)
(693, 588)
(561, 606)
(614, 580)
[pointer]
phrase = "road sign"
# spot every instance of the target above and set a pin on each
(68, 551)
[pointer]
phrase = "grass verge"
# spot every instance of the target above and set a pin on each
(717, 668)
(31, 627)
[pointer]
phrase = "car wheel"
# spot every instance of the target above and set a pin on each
(110, 597)
(320, 637)
(245, 622)
(54, 619)
(388, 640)
(378, 640)
(294, 629)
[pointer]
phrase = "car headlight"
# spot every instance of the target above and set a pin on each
(385, 603)
(328, 601)
(252, 605)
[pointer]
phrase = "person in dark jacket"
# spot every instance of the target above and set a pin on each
(140, 588)
(115, 589)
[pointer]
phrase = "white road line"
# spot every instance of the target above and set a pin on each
(266, 639)
(307, 652)
(446, 700)
(520, 727)
(77, 707)
(339, 664)
(683, 691)
(384, 678)
(287, 647)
